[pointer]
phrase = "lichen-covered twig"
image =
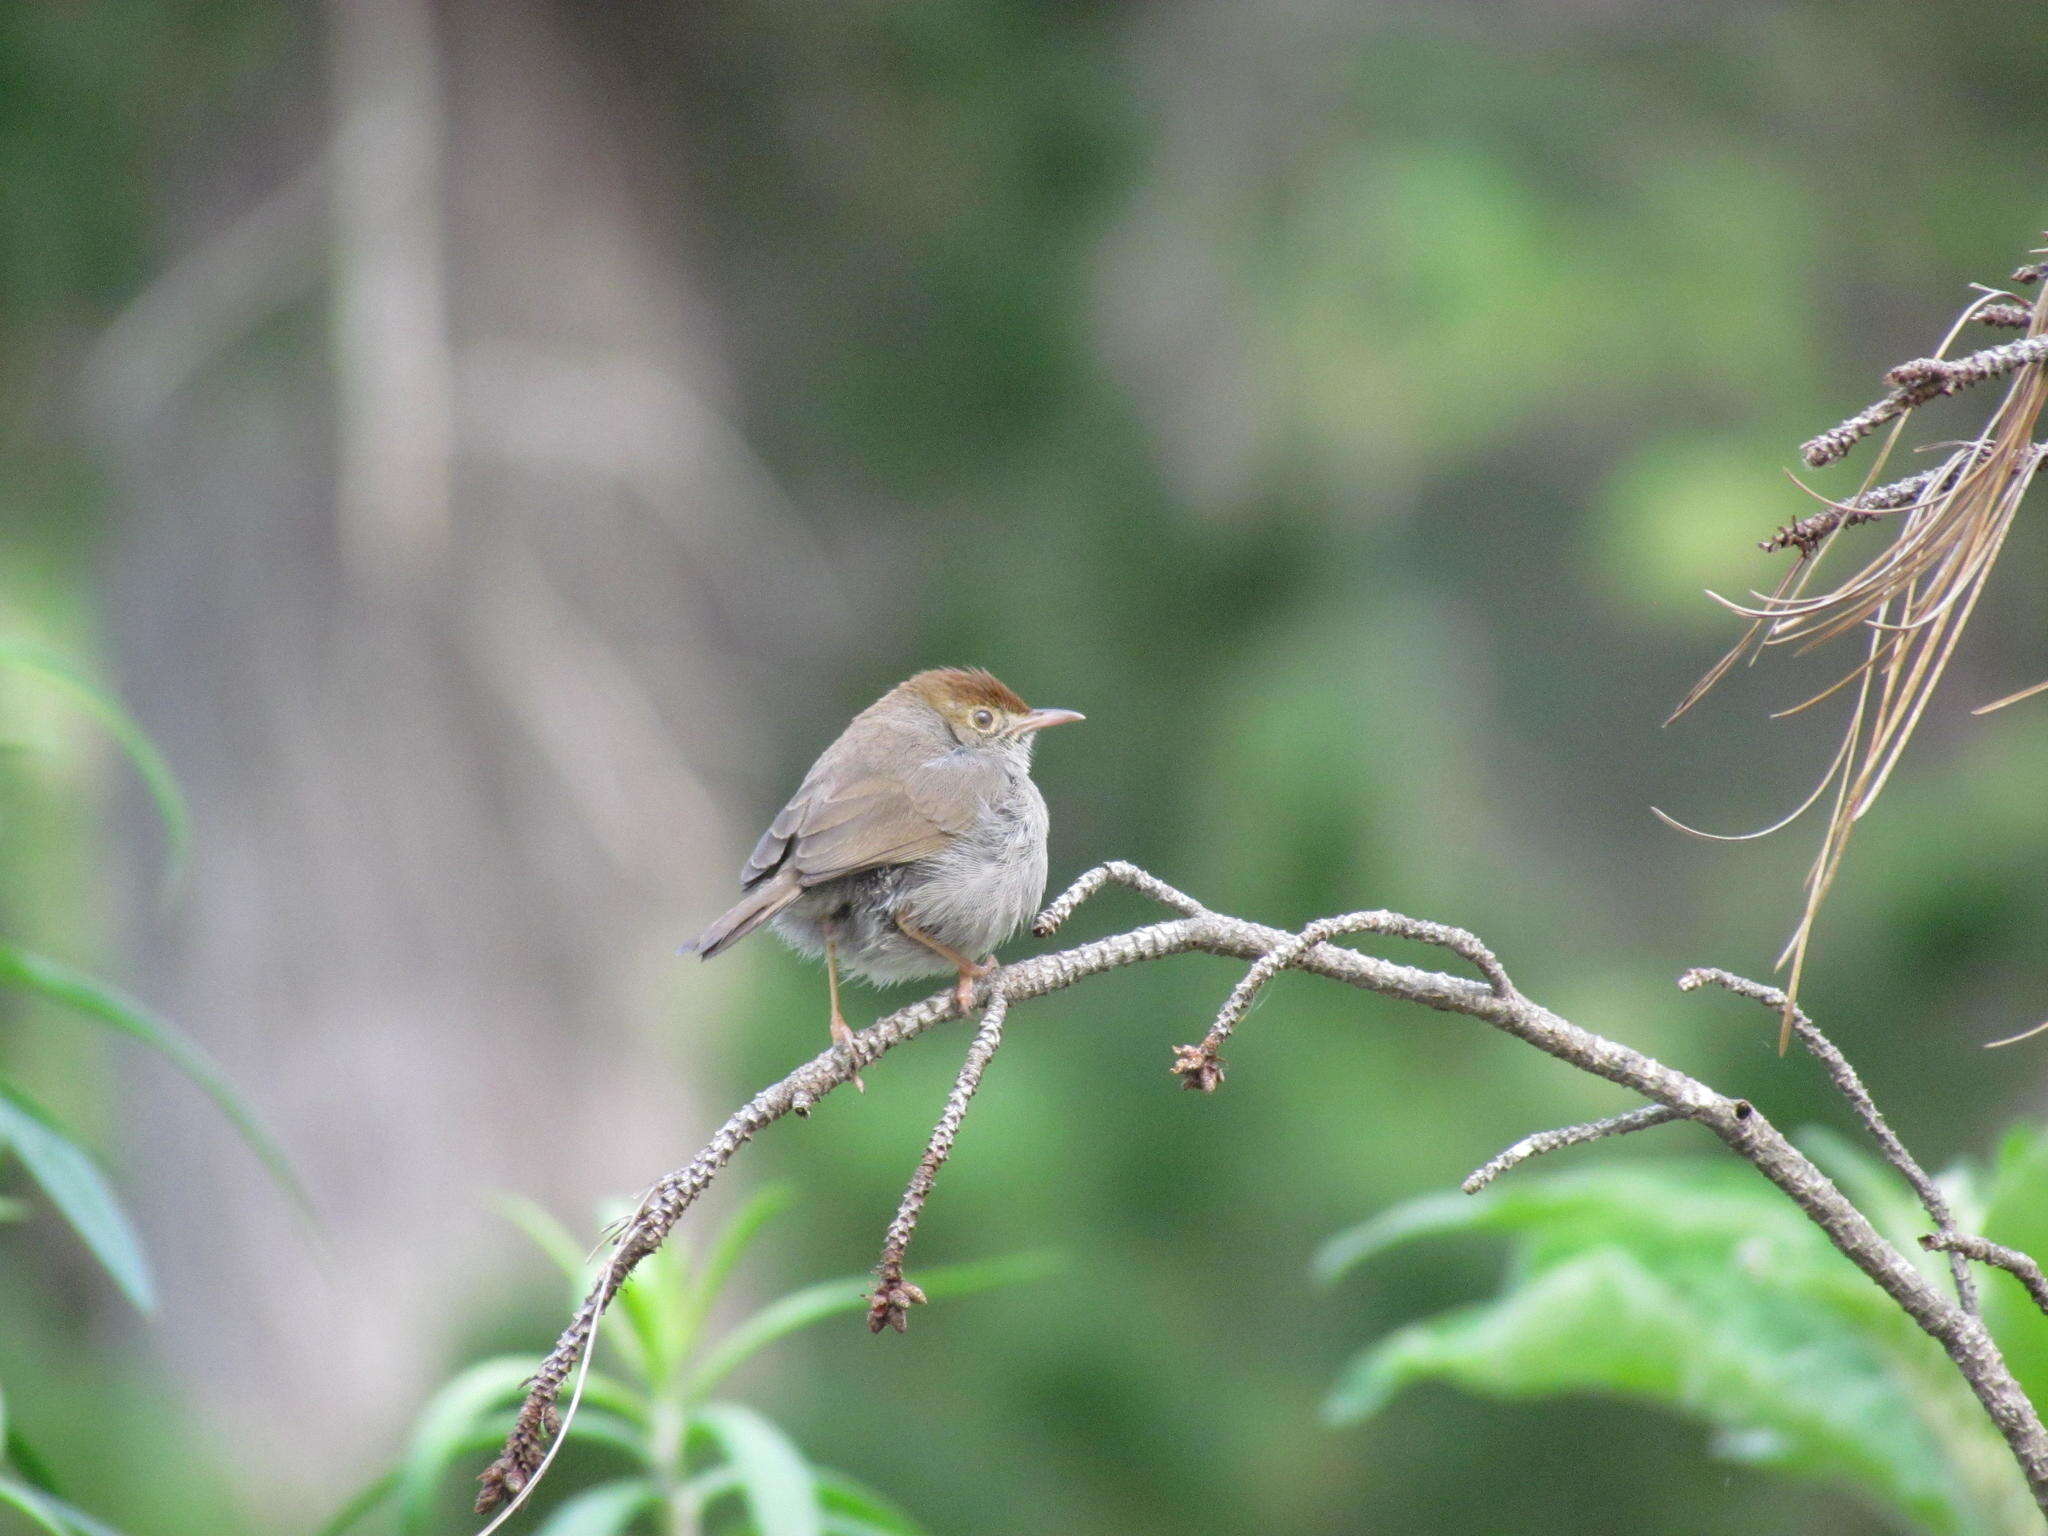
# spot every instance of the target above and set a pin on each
(1200, 1067)
(1917, 382)
(2010, 317)
(1984, 1251)
(1850, 1085)
(1808, 533)
(1567, 1136)
(1494, 1002)
(1115, 872)
(894, 1296)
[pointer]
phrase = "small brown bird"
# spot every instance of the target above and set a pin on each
(916, 844)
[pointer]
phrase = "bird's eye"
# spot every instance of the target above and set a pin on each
(984, 719)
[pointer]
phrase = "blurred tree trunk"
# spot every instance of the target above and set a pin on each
(451, 683)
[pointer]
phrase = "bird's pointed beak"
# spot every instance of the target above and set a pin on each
(1039, 719)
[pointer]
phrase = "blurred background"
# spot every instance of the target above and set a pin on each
(492, 447)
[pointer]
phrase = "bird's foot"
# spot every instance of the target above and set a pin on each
(971, 976)
(843, 1035)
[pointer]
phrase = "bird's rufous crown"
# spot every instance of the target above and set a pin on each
(959, 687)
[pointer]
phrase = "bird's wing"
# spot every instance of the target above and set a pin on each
(842, 822)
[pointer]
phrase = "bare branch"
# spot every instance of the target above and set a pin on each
(1200, 1067)
(2011, 317)
(1917, 382)
(1808, 533)
(1984, 1251)
(1949, 376)
(1568, 1136)
(1115, 872)
(1851, 1086)
(894, 1296)
(1495, 1002)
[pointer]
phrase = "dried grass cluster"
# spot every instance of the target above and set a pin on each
(1911, 602)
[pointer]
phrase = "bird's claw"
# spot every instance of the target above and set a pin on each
(843, 1036)
(969, 979)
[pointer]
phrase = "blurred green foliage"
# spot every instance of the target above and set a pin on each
(37, 1141)
(693, 1462)
(1344, 407)
(1694, 1285)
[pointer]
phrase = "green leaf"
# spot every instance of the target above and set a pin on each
(725, 1253)
(366, 1502)
(853, 1525)
(651, 1304)
(548, 1235)
(80, 1523)
(55, 669)
(445, 1427)
(1680, 1208)
(828, 1298)
(604, 1426)
(779, 1488)
(605, 1510)
(28, 1461)
(38, 1507)
(852, 1509)
(714, 1484)
(1693, 1285)
(62, 984)
(463, 1417)
(1877, 1189)
(1802, 1395)
(75, 1187)
(2016, 1214)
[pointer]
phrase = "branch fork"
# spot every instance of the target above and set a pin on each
(1671, 1095)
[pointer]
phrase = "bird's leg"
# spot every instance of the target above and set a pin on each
(971, 971)
(841, 1034)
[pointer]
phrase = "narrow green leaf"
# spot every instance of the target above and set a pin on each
(780, 1490)
(57, 670)
(828, 1298)
(445, 1426)
(81, 1523)
(1425, 1216)
(603, 1426)
(728, 1248)
(28, 1461)
(547, 1234)
(465, 1416)
(853, 1525)
(75, 1187)
(853, 1509)
(366, 1502)
(716, 1483)
(37, 1507)
(605, 1510)
(651, 1303)
(105, 1005)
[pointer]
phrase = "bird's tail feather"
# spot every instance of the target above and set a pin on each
(754, 909)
